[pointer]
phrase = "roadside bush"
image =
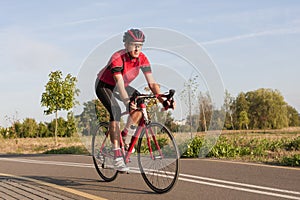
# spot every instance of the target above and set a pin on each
(193, 147)
(260, 149)
(277, 145)
(291, 160)
(161, 141)
(68, 150)
(3, 132)
(293, 145)
(223, 148)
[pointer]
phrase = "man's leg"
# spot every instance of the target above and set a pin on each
(133, 119)
(135, 115)
(114, 133)
(119, 163)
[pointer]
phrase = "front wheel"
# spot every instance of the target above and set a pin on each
(158, 157)
(102, 153)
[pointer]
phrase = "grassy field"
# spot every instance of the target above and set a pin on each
(266, 146)
(41, 145)
(278, 147)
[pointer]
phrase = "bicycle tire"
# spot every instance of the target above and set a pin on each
(159, 172)
(103, 161)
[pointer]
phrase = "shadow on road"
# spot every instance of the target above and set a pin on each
(86, 184)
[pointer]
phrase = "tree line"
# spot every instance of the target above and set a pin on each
(263, 108)
(258, 109)
(60, 94)
(30, 128)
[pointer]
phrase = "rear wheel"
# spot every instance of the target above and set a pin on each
(102, 153)
(158, 157)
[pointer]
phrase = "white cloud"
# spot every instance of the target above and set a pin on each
(253, 35)
(83, 21)
(24, 52)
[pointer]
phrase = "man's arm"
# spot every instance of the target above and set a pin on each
(121, 88)
(154, 87)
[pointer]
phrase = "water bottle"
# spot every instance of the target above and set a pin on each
(144, 111)
(129, 138)
(129, 135)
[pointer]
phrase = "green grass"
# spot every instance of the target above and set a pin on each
(267, 148)
(293, 160)
(68, 150)
(41, 145)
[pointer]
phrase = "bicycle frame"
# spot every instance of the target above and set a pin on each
(136, 136)
(134, 139)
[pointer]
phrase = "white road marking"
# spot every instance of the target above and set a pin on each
(287, 194)
(43, 162)
(241, 189)
(240, 184)
(252, 164)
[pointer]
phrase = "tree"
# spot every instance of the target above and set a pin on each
(29, 128)
(70, 125)
(293, 116)
(93, 112)
(169, 122)
(243, 120)
(241, 107)
(101, 112)
(59, 95)
(229, 110)
(15, 128)
(188, 95)
(43, 130)
(205, 110)
(266, 109)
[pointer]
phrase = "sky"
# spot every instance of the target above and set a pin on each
(254, 44)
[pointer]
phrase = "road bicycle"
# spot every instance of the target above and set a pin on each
(156, 151)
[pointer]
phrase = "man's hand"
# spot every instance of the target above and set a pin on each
(133, 106)
(130, 106)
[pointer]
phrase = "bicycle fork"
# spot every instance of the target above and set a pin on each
(155, 143)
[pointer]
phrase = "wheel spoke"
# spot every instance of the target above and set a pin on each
(102, 154)
(160, 172)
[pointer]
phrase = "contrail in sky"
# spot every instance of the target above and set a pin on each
(252, 35)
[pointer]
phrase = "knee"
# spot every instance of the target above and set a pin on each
(136, 115)
(114, 126)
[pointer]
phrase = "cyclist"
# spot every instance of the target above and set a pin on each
(122, 68)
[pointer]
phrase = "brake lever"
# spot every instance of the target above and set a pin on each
(171, 94)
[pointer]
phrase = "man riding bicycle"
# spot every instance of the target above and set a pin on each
(122, 68)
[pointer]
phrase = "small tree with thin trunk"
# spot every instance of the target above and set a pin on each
(188, 95)
(59, 95)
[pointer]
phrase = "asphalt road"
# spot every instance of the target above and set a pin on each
(74, 177)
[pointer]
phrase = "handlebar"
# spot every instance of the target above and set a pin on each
(151, 96)
(139, 98)
(171, 94)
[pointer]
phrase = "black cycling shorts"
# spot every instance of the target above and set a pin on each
(108, 96)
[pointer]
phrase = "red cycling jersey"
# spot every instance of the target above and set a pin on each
(122, 63)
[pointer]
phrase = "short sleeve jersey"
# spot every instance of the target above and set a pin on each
(122, 63)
